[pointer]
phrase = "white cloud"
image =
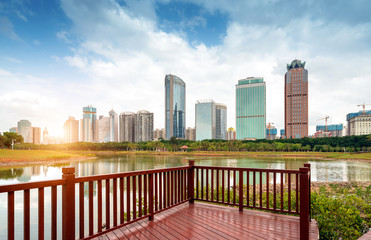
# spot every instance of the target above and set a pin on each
(7, 29)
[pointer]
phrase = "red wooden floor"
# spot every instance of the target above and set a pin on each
(206, 221)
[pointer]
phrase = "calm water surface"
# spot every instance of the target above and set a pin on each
(322, 171)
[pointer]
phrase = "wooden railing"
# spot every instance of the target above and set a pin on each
(133, 196)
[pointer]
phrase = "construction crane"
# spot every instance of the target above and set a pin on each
(364, 107)
(324, 118)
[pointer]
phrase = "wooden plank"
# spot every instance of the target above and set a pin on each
(26, 216)
(114, 202)
(41, 214)
(91, 207)
(10, 215)
(99, 201)
(54, 213)
(128, 218)
(122, 200)
(81, 210)
(140, 207)
(134, 197)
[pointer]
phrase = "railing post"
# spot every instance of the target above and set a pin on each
(191, 186)
(304, 206)
(68, 204)
(150, 197)
(307, 165)
(240, 190)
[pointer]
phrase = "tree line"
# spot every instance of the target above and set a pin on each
(332, 144)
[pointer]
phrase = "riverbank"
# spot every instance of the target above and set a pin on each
(25, 157)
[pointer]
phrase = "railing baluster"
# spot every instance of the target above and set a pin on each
(234, 186)
(53, 214)
(281, 191)
(68, 203)
(10, 215)
(197, 190)
(212, 185)
(81, 210)
(134, 197)
(260, 189)
(128, 217)
(26, 216)
(99, 202)
(297, 193)
(253, 189)
(207, 184)
(202, 183)
(108, 210)
(179, 186)
(168, 189)
(91, 205)
(289, 192)
(240, 190)
(267, 175)
(217, 185)
(145, 193)
(222, 186)
(171, 188)
(114, 195)
(41, 214)
(274, 191)
(248, 188)
(140, 195)
(160, 190)
(229, 185)
(121, 200)
(155, 192)
(150, 196)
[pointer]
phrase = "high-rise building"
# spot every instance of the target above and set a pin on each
(221, 121)
(251, 108)
(205, 120)
(271, 132)
(159, 133)
(103, 129)
(191, 134)
(143, 126)
(351, 129)
(296, 100)
(45, 136)
(175, 107)
(25, 130)
(113, 126)
(127, 127)
(71, 130)
(231, 134)
(89, 125)
(335, 130)
(36, 135)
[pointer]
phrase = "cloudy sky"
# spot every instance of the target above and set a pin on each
(58, 56)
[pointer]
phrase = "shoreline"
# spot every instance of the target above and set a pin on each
(68, 156)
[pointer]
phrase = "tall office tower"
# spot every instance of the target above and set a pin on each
(190, 134)
(36, 135)
(231, 134)
(205, 120)
(89, 125)
(175, 107)
(103, 129)
(25, 129)
(296, 100)
(45, 136)
(71, 130)
(113, 126)
(221, 121)
(127, 127)
(159, 133)
(250, 108)
(143, 126)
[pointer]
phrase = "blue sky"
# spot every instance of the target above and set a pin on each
(58, 56)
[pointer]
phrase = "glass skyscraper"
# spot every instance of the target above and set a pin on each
(175, 106)
(89, 125)
(221, 121)
(251, 108)
(205, 120)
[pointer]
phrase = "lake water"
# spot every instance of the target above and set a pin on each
(322, 171)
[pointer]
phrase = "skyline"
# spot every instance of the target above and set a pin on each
(58, 56)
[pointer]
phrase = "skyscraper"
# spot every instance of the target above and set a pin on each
(205, 120)
(89, 125)
(296, 100)
(45, 136)
(25, 129)
(221, 121)
(113, 126)
(127, 127)
(103, 129)
(71, 130)
(143, 126)
(36, 135)
(175, 106)
(250, 108)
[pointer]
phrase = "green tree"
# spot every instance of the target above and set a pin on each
(9, 136)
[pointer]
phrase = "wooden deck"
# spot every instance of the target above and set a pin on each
(207, 221)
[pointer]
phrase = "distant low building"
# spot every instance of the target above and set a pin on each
(336, 130)
(190, 134)
(322, 134)
(13, 130)
(359, 123)
(231, 134)
(271, 132)
(159, 133)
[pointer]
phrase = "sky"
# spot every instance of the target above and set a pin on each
(57, 56)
